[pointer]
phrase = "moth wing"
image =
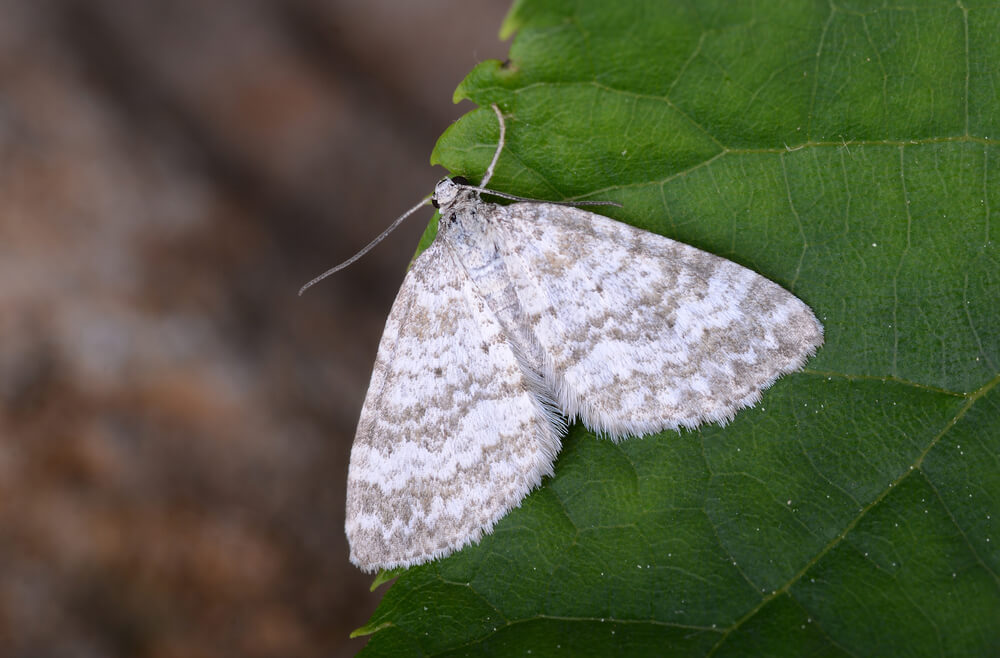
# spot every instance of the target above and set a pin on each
(643, 333)
(452, 434)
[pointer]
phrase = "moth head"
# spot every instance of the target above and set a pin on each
(446, 191)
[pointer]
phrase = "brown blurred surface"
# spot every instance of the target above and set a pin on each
(175, 423)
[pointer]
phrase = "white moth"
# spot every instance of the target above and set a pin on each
(520, 317)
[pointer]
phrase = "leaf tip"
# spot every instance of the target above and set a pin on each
(368, 629)
(385, 576)
(512, 21)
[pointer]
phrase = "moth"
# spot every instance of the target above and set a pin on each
(521, 318)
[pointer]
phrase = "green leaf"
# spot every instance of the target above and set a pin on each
(846, 151)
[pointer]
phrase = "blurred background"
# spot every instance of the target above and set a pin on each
(175, 423)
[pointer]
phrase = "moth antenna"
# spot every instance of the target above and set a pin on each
(365, 250)
(482, 190)
(500, 142)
